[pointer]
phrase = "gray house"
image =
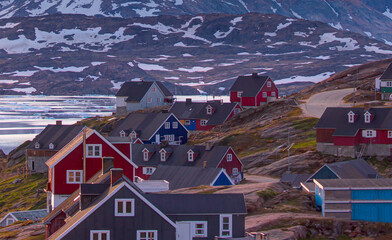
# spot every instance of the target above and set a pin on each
(117, 209)
(133, 96)
(12, 217)
(46, 144)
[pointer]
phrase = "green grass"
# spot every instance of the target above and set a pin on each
(267, 194)
(305, 124)
(307, 144)
(38, 237)
(7, 235)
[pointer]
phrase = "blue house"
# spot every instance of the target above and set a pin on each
(356, 199)
(151, 128)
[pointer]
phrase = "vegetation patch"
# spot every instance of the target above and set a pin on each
(7, 235)
(267, 194)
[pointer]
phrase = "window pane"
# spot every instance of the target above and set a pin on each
(128, 207)
(104, 236)
(143, 234)
(95, 236)
(120, 208)
(225, 220)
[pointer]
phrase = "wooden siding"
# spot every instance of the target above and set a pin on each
(324, 173)
(55, 224)
(324, 135)
(179, 132)
(260, 99)
(228, 166)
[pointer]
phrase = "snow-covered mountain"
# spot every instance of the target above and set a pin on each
(368, 17)
(76, 54)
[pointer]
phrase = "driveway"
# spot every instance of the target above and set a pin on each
(316, 104)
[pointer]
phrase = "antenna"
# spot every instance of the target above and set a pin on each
(84, 154)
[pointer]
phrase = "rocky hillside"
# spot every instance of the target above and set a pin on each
(76, 54)
(368, 17)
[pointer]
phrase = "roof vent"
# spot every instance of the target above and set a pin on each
(188, 101)
(59, 122)
(254, 74)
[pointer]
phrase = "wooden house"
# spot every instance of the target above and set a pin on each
(11, 217)
(133, 96)
(149, 157)
(200, 116)
(253, 90)
(355, 132)
(46, 144)
(150, 128)
(385, 83)
(355, 199)
(129, 213)
(186, 176)
(67, 169)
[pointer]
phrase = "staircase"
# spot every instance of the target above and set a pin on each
(362, 150)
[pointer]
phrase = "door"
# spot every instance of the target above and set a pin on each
(158, 139)
(184, 231)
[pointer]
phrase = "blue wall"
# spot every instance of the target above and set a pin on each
(374, 212)
(371, 194)
(192, 126)
(180, 131)
(318, 194)
(222, 181)
(324, 173)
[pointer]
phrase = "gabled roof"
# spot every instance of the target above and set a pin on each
(179, 155)
(27, 215)
(387, 75)
(198, 110)
(354, 184)
(249, 85)
(59, 135)
(135, 91)
(185, 177)
(183, 204)
(144, 123)
(294, 179)
(337, 118)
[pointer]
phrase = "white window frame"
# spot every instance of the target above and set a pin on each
(190, 156)
(169, 137)
(187, 122)
(175, 125)
(36, 145)
(122, 133)
(273, 94)
(203, 122)
(138, 232)
(229, 157)
(159, 100)
(163, 156)
(148, 170)
(153, 89)
(389, 84)
(369, 133)
(268, 83)
(194, 229)
(389, 134)
(124, 201)
(351, 117)
(239, 94)
(367, 117)
(9, 221)
(167, 125)
(74, 180)
(221, 230)
(134, 135)
(100, 232)
(235, 171)
(145, 154)
(88, 155)
(264, 94)
(209, 110)
(149, 100)
(51, 146)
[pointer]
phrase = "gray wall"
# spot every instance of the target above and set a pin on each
(144, 104)
(39, 164)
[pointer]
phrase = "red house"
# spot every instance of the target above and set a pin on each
(355, 132)
(66, 167)
(149, 157)
(253, 90)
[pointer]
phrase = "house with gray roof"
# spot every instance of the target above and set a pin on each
(129, 213)
(385, 82)
(201, 116)
(12, 217)
(46, 144)
(355, 132)
(150, 128)
(133, 96)
(186, 176)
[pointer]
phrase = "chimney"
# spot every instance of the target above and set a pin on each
(188, 101)
(164, 143)
(115, 175)
(107, 164)
(89, 192)
(59, 122)
(366, 107)
(254, 74)
(204, 164)
(209, 146)
(165, 111)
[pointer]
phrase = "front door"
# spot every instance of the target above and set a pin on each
(158, 139)
(183, 231)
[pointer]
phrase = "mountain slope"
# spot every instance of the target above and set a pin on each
(76, 54)
(368, 17)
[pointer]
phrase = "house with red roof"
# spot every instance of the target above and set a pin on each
(253, 90)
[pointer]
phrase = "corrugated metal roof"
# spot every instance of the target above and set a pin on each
(387, 75)
(135, 91)
(30, 215)
(383, 183)
(294, 179)
(249, 85)
(358, 168)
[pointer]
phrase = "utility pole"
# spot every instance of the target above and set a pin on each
(84, 155)
(288, 150)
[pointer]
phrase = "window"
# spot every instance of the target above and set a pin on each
(147, 235)
(367, 117)
(200, 229)
(36, 145)
(174, 125)
(389, 84)
(269, 84)
(159, 100)
(368, 133)
(229, 157)
(51, 146)
(237, 110)
(163, 156)
(167, 125)
(169, 137)
(203, 122)
(149, 100)
(148, 170)
(74, 176)
(124, 207)
(187, 122)
(93, 150)
(145, 154)
(389, 134)
(190, 155)
(273, 94)
(225, 225)
(99, 235)
(10, 221)
(239, 94)
(351, 116)
(264, 94)
(134, 135)
(153, 89)
(122, 134)
(209, 110)
(235, 171)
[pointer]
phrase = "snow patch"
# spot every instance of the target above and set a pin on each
(388, 13)
(9, 25)
(117, 85)
(25, 90)
(337, 25)
(152, 67)
(97, 63)
(349, 43)
(22, 73)
(301, 34)
(195, 69)
(315, 79)
(377, 50)
(171, 78)
(296, 14)
(8, 81)
(187, 55)
(66, 69)
(369, 34)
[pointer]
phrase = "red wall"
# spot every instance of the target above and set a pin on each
(139, 173)
(228, 166)
(324, 135)
(74, 161)
(234, 97)
(124, 148)
(202, 128)
(248, 101)
(269, 91)
(381, 138)
(55, 224)
(232, 112)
